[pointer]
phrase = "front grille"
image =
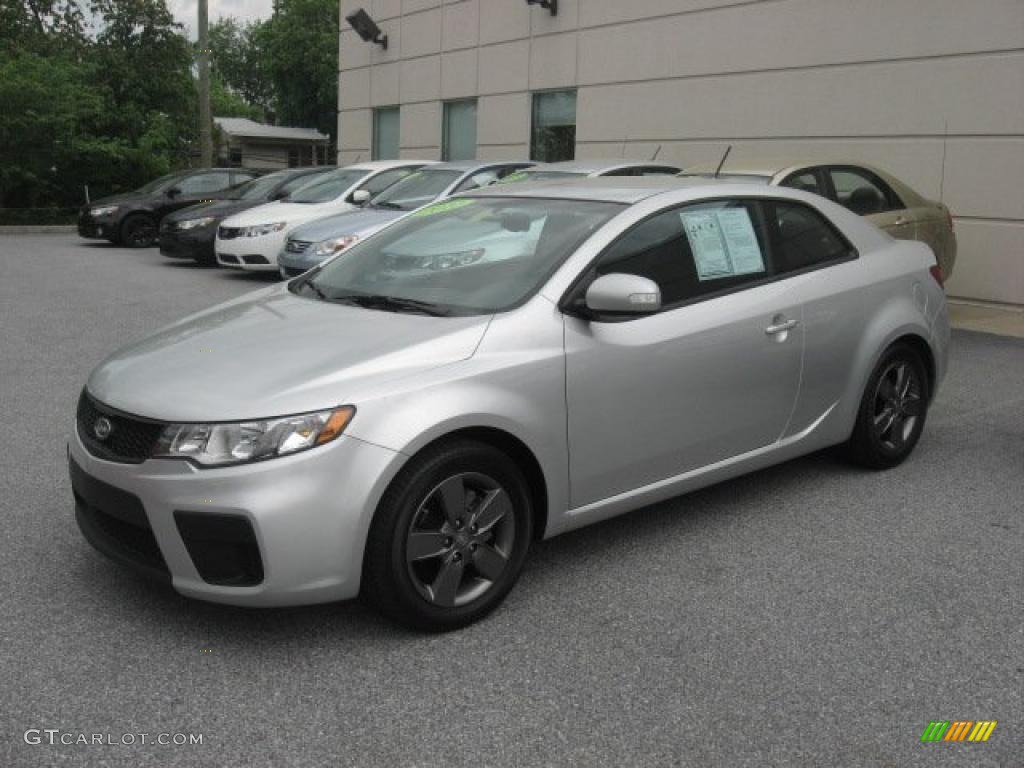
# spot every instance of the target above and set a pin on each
(297, 246)
(228, 233)
(131, 439)
(255, 258)
(289, 272)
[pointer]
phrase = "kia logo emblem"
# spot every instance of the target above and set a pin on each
(102, 428)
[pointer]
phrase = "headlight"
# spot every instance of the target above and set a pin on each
(195, 223)
(106, 210)
(237, 442)
(262, 229)
(335, 245)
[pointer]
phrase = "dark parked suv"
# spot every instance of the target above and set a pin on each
(190, 232)
(133, 219)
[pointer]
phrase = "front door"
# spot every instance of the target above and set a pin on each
(713, 375)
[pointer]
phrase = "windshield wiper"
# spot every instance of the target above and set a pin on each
(308, 283)
(391, 303)
(388, 205)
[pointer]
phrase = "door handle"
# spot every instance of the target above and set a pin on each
(785, 325)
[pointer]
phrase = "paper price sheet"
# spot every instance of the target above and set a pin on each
(723, 243)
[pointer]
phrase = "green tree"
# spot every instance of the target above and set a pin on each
(236, 63)
(298, 46)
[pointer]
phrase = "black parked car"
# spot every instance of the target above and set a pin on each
(133, 219)
(190, 233)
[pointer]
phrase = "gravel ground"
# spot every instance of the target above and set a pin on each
(808, 615)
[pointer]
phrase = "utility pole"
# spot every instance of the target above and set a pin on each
(205, 122)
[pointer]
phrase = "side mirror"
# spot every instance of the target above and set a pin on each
(361, 196)
(623, 294)
(174, 191)
(279, 195)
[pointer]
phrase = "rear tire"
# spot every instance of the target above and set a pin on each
(449, 538)
(892, 410)
(138, 231)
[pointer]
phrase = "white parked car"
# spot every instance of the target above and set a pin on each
(251, 240)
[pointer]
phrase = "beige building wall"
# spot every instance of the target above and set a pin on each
(932, 90)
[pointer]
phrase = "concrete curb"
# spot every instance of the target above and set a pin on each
(37, 229)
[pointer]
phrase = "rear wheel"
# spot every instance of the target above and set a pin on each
(449, 538)
(138, 231)
(892, 410)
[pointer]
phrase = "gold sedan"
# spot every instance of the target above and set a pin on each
(870, 192)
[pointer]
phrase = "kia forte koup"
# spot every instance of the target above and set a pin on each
(405, 420)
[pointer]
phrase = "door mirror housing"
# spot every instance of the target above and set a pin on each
(174, 191)
(361, 196)
(623, 294)
(279, 195)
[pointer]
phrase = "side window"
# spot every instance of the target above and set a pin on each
(628, 171)
(801, 237)
(805, 181)
(205, 182)
(658, 170)
(863, 192)
(477, 180)
(692, 251)
(383, 180)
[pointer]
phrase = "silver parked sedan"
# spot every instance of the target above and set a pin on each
(496, 368)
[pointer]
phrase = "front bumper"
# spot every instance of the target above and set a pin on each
(96, 229)
(304, 517)
(255, 254)
(294, 264)
(181, 245)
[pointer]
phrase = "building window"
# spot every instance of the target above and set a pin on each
(553, 135)
(458, 135)
(235, 160)
(385, 133)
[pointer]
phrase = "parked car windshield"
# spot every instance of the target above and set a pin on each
(415, 190)
(159, 185)
(256, 189)
(540, 176)
(462, 256)
(328, 188)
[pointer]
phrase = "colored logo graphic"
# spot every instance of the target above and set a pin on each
(958, 730)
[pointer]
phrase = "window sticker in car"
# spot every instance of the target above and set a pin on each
(448, 205)
(723, 243)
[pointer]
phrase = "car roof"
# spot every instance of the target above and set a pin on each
(771, 168)
(598, 165)
(470, 165)
(383, 165)
(609, 189)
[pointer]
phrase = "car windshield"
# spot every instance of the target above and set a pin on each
(330, 187)
(256, 189)
(415, 190)
(159, 185)
(751, 177)
(539, 175)
(462, 256)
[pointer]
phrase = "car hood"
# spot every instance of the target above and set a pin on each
(271, 353)
(125, 198)
(218, 208)
(362, 222)
(292, 213)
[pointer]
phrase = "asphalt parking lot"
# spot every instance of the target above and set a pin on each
(812, 614)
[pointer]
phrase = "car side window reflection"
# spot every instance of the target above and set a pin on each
(807, 181)
(863, 193)
(693, 251)
(801, 237)
(205, 182)
(383, 180)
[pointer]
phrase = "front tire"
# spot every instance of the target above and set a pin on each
(138, 231)
(449, 538)
(892, 410)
